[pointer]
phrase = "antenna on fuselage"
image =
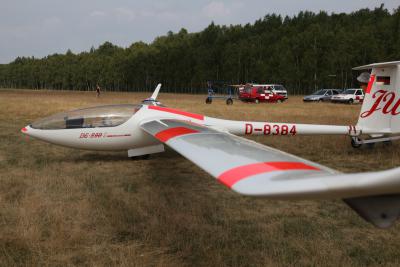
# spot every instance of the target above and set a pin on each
(153, 99)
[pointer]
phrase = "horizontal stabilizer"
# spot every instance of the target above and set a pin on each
(378, 65)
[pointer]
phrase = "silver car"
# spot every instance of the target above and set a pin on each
(321, 95)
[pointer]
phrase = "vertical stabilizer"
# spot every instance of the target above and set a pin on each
(380, 112)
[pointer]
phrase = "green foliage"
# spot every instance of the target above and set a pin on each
(303, 52)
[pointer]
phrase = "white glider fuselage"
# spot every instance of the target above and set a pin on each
(129, 135)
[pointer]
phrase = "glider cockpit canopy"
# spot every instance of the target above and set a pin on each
(101, 116)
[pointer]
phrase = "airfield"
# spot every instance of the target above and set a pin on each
(60, 206)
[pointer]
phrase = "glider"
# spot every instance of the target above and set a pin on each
(245, 166)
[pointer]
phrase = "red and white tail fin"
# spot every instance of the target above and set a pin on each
(380, 112)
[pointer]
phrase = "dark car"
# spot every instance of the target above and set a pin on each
(321, 95)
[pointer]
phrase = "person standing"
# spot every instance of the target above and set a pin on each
(98, 90)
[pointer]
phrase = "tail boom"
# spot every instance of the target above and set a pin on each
(285, 129)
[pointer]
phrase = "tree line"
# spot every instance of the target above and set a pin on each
(303, 52)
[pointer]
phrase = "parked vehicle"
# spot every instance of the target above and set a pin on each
(257, 94)
(322, 95)
(276, 88)
(349, 96)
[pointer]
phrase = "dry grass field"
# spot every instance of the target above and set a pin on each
(64, 207)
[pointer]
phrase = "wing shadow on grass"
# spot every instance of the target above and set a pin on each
(103, 156)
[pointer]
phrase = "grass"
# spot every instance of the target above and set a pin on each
(65, 207)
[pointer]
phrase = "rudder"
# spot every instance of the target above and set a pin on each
(381, 107)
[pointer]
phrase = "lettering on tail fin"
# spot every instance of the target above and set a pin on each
(383, 102)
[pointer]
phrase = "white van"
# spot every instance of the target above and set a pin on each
(276, 88)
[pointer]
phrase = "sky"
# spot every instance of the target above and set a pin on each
(42, 27)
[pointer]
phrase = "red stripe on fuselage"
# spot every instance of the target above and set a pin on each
(165, 135)
(370, 83)
(178, 112)
(232, 176)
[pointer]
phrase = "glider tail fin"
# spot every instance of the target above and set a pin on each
(381, 107)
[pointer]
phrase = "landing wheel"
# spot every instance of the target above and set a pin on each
(208, 100)
(279, 101)
(351, 101)
(229, 101)
(354, 142)
(256, 101)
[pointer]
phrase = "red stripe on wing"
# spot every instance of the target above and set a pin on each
(178, 112)
(232, 176)
(165, 135)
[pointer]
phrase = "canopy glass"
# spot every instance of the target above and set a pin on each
(102, 116)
